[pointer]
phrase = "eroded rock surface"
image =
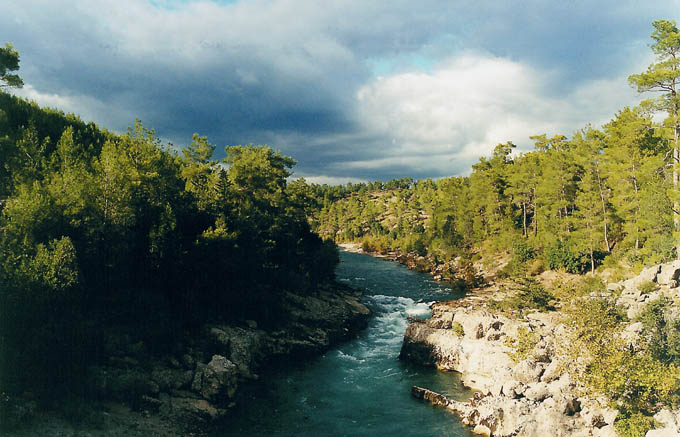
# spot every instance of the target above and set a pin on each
(195, 384)
(528, 395)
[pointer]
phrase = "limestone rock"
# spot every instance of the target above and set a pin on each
(648, 274)
(527, 371)
(537, 391)
(668, 424)
(669, 274)
(194, 412)
(216, 380)
(552, 372)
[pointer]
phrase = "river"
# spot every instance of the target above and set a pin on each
(360, 388)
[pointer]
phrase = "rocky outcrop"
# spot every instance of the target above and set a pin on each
(652, 283)
(196, 384)
(529, 392)
(529, 397)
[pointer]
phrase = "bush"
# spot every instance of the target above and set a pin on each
(646, 287)
(661, 331)
(523, 344)
(513, 269)
(418, 246)
(530, 295)
(522, 251)
(633, 424)
(536, 268)
(562, 255)
(457, 328)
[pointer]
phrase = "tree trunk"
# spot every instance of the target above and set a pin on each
(676, 204)
(604, 210)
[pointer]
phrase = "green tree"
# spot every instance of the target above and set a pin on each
(664, 77)
(9, 62)
(633, 167)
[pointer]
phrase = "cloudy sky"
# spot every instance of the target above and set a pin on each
(352, 89)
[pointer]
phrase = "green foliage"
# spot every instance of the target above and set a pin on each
(457, 329)
(571, 203)
(529, 295)
(661, 330)
(562, 255)
(99, 230)
(9, 62)
(522, 251)
(633, 424)
(636, 380)
(523, 344)
(646, 287)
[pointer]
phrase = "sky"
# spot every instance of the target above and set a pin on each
(353, 90)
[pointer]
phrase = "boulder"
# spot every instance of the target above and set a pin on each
(669, 274)
(194, 412)
(668, 424)
(631, 334)
(552, 372)
(443, 321)
(217, 380)
(527, 371)
(648, 274)
(537, 392)
(513, 388)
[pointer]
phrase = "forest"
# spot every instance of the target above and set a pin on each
(604, 196)
(102, 231)
(598, 198)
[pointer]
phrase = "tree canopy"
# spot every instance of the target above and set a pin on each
(9, 62)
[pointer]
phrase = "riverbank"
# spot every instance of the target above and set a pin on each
(459, 273)
(520, 363)
(194, 386)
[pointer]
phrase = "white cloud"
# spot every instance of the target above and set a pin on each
(330, 180)
(461, 111)
(86, 107)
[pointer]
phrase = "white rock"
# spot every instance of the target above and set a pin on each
(605, 431)
(551, 372)
(513, 388)
(537, 391)
(669, 274)
(481, 430)
(527, 371)
(648, 274)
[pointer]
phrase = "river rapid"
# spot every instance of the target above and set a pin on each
(360, 388)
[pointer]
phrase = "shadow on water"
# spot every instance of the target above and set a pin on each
(360, 387)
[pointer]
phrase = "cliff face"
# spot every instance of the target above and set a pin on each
(193, 386)
(531, 393)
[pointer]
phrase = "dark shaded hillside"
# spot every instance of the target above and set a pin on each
(104, 233)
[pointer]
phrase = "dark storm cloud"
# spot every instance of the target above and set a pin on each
(301, 76)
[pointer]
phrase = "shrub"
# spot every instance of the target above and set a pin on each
(661, 331)
(513, 269)
(523, 344)
(536, 268)
(633, 424)
(457, 328)
(530, 295)
(562, 255)
(522, 251)
(418, 246)
(646, 287)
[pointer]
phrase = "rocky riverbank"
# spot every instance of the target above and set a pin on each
(529, 394)
(192, 387)
(457, 272)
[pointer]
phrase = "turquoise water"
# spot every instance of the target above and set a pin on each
(360, 388)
